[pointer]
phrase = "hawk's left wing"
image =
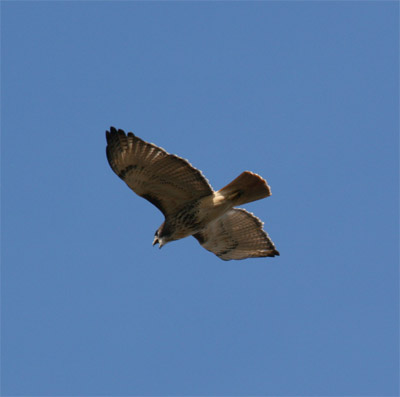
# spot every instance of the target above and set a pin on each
(237, 235)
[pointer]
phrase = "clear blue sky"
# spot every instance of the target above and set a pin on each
(304, 93)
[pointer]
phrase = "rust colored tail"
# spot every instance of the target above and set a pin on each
(247, 187)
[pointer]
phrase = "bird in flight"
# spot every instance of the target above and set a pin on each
(190, 205)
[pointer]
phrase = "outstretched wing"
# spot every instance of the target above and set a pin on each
(166, 180)
(237, 235)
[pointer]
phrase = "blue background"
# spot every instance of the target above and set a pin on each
(304, 93)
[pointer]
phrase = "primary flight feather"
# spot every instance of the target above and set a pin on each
(190, 206)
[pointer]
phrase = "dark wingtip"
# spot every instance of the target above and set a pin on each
(274, 253)
(113, 132)
(110, 133)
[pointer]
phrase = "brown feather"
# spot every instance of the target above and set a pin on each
(247, 187)
(167, 181)
(237, 235)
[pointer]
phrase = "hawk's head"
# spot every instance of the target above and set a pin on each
(162, 236)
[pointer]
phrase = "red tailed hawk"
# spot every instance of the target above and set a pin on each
(190, 206)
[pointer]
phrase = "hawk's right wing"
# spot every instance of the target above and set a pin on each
(166, 180)
(237, 235)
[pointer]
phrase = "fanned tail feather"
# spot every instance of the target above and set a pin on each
(247, 187)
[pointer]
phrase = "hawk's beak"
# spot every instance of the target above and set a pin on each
(158, 241)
